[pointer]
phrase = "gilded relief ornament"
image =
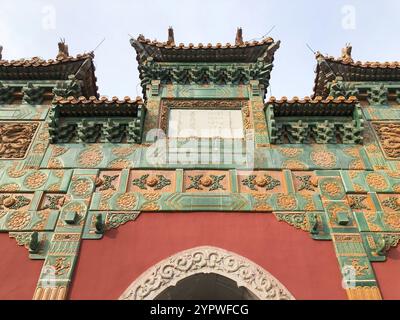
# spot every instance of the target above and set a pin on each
(58, 151)
(150, 206)
(298, 220)
(323, 159)
(357, 202)
(152, 196)
(157, 182)
(61, 266)
(392, 219)
(127, 201)
(13, 202)
(114, 220)
(392, 203)
(9, 187)
(81, 187)
(307, 182)
(35, 179)
(54, 202)
(107, 182)
(124, 151)
(262, 181)
(294, 165)
(39, 148)
(360, 269)
(90, 157)
(120, 164)
(286, 202)
(13, 172)
(55, 164)
(290, 152)
(334, 209)
(18, 220)
(376, 181)
(75, 206)
(332, 188)
(212, 182)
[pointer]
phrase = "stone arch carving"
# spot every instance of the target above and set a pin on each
(207, 259)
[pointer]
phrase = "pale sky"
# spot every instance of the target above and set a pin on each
(33, 28)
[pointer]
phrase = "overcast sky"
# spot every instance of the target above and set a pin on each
(33, 28)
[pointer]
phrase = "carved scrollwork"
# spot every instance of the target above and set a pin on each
(206, 260)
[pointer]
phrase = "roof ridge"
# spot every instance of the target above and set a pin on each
(364, 64)
(38, 61)
(166, 45)
(316, 100)
(93, 100)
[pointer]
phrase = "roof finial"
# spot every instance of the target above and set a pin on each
(1, 50)
(346, 53)
(239, 37)
(171, 39)
(62, 49)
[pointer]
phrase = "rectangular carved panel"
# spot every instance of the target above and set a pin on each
(15, 138)
(389, 138)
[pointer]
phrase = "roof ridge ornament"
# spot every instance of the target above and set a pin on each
(239, 37)
(62, 50)
(346, 54)
(171, 38)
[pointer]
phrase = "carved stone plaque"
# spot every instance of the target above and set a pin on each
(205, 123)
(15, 138)
(389, 138)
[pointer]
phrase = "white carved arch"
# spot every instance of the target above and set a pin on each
(207, 259)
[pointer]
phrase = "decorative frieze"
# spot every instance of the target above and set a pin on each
(342, 89)
(204, 74)
(314, 121)
(33, 94)
(6, 93)
(68, 88)
(96, 120)
(378, 95)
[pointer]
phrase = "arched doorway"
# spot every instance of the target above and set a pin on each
(206, 286)
(153, 284)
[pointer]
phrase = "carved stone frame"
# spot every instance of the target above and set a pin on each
(207, 259)
(200, 104)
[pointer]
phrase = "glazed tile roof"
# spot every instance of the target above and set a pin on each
(81, 66)
(92, 106)
(241, 51)
(313, 107)
(328, 68)
(39, 62)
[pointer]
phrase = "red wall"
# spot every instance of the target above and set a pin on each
(18, 274)
(307, 268)
(387, 273)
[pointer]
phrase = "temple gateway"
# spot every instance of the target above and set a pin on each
(202, 188)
